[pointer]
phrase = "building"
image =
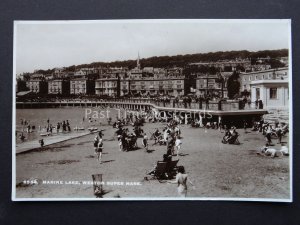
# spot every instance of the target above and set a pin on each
(137, 72)
(156, 86)
(225, 65)
(210, 85)
(59, 87)
(37, 76)
(270, 86)
(271, 74)
(273, 93)
(37, 86)
(82, 86)
(58, 72)
(124, 87)
(108, 87)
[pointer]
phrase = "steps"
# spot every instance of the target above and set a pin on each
(281, 116)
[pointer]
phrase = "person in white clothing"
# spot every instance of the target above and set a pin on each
(178, 144)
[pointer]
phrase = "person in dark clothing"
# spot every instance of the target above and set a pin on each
(42, 142)
(68, 126)
(260, 104)
(207, 103)
(64, 126)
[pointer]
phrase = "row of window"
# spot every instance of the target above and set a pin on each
(272, 93)
(152, 87)
(263, 76)
(153, 82)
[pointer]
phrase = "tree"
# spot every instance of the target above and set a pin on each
(233, 85)
(275, 63)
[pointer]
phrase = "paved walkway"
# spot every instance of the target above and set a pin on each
(30, 145)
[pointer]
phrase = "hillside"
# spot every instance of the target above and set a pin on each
(183, 60)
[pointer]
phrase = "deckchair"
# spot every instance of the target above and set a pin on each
(160, 170)
(171, 166)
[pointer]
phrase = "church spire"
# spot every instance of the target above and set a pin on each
(138, 65)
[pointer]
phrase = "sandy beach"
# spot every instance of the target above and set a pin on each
(216, 169)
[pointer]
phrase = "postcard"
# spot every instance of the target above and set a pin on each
(152, 110)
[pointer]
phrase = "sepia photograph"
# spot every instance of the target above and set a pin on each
(152, 110)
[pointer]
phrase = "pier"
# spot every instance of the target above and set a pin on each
(214, 111)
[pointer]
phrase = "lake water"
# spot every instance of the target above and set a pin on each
(76, 116)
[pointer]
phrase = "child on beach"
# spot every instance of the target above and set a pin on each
(178, 144)
(96, 140)
(99, 150)
(120, 142)
(145, 142)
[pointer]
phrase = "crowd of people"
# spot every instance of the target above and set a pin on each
(129, 128)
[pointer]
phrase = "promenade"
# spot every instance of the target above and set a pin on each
(48, 140)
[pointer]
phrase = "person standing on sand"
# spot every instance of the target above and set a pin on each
(178, 144)
(145, 142)
(99, 150)
(96, 140)
(181, 180)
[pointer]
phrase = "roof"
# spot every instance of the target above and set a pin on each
(285, 81)
(266, 71)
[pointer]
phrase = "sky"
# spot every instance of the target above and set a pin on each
(50, 44)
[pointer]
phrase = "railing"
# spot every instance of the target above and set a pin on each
(211, 105)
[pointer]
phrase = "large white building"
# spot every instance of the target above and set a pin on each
(273, 93)
(269, 86)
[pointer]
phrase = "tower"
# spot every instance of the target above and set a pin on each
(138, 65)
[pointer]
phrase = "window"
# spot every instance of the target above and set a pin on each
(257, 93)
(273, 93)
(263, 76)
(249, 78)
(256, 77)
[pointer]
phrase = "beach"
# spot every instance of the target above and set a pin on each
(64, 170)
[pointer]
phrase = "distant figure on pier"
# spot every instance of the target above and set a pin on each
(42, 142)
(57, 127)
(260, 104)
(64, 126)
(207, 103)
(256, 104)
(68, 126)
